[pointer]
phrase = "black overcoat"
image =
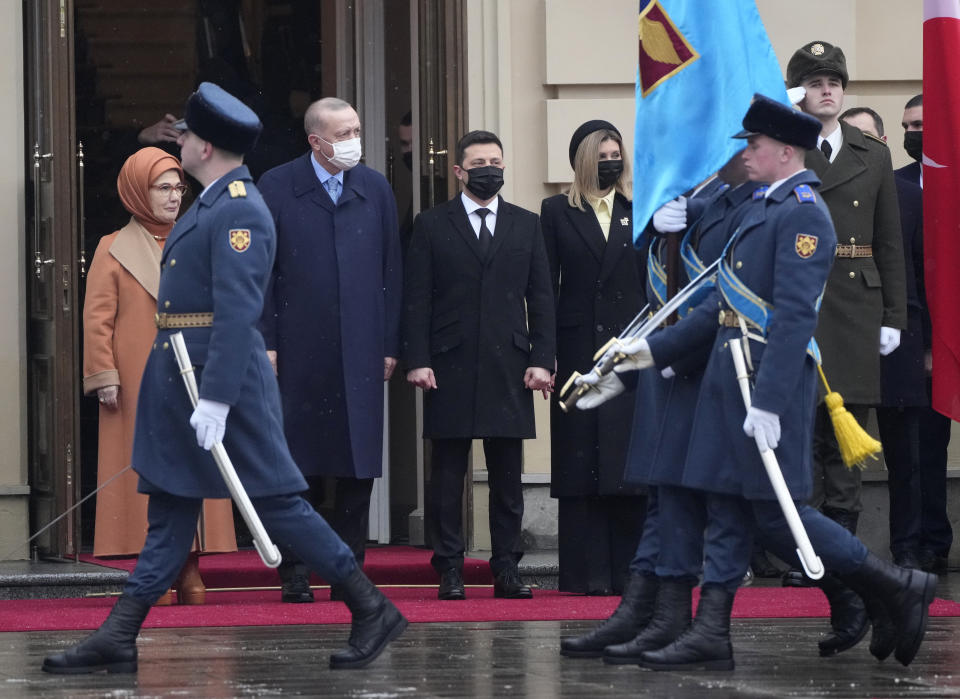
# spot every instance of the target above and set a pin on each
(599, 288)
(478, 322)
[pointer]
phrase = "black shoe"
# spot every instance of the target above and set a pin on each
(296, 590)
(451, 585)
(848, 617)
(508, 585)
(706, 644)
(628, 619)
(845, 518)
(906, 596)
(795, 578)
(376, 622)
(762, 566)
(908, 559)
(112, 647)
(932, 562)
(671, 617)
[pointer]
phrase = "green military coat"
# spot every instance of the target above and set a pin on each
(865, 293)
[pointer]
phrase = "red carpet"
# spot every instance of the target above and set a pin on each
(389, 565)
(420, 604)
(385, 565)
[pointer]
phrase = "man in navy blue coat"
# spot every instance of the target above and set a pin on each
(214, 272)
(331, 318)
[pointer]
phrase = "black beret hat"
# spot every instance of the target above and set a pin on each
(816, 57)
(780, 122)
(584, 130)
(220, 118)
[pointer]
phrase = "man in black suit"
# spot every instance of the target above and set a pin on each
(936, 534)
(479, 336)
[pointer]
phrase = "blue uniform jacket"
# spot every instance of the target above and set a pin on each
(772, 256)
(218, 259)
(664, 411)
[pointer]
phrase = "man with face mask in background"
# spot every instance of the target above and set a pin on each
(935, 532)
(478, 338)
(331, 318)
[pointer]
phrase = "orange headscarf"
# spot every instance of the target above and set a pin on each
(133, 184)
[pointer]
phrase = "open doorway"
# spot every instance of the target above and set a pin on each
(135, 62)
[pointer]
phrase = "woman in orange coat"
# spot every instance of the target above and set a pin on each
(118, 320)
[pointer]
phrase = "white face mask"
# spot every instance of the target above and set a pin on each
(346, 154)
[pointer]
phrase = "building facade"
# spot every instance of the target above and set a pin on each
(85, 76)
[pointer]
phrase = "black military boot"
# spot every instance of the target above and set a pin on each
(848, 616)
(112, 647)
(376, 622)
(706, 644)
(295, 582)
(631, 615)
(671, 617)
(897, 601)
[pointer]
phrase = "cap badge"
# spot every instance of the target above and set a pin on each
(817, 49)
(240, 239)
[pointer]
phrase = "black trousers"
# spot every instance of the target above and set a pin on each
(351, 514)
(598, 536)
(835, 487)
(445, 501)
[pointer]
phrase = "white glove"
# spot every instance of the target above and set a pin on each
(671, 217)
(889, 340)
(796, 94)
(605, 387)
(764, 426)
(668, 373)
(209, 419)
(638, 355)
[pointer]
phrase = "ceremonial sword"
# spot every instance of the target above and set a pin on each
(268, 551)
(812, 565)
(638, 329)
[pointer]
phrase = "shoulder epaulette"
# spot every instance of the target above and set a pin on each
(804, 193)
(237, 189)
(875, 138)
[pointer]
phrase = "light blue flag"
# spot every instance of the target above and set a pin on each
(700, 62)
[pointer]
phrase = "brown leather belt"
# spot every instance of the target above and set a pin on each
(729, 319)
(852, 251)
(170, 321)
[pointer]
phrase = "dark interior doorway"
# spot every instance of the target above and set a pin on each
(136, 61)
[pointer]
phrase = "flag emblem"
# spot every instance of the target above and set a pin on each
(806, 245)
(663, 50)
(240, 239)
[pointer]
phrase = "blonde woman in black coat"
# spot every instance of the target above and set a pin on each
(598, 283)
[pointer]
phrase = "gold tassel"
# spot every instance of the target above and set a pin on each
(854, 441)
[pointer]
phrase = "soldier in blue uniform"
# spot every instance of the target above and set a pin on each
(769, 286)
(664, 410)
(214, 272)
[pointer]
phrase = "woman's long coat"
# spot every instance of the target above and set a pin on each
(118, 331)
(599, 288)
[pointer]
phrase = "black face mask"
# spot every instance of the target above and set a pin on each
(485, 182)
(408, 160)
(913, 144)
(608, 172)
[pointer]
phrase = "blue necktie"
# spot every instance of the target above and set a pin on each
(333, 188)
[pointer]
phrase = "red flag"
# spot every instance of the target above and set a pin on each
(941, 192)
